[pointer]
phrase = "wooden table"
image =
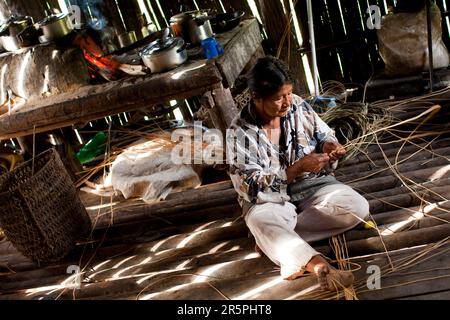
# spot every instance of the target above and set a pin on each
(211, 78)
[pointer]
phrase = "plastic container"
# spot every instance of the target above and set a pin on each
(95, 147)
(211, 48)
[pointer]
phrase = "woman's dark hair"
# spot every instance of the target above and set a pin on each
(267, 76)
(410, 5)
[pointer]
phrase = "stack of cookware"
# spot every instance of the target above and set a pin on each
(192, 26)
(167, 53)
(19, 32)
(55, 26)
(196, 26)
(188, 28)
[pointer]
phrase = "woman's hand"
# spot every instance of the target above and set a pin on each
(313, 162)
(334, 149)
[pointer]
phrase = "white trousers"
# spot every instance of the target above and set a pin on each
(283, 235)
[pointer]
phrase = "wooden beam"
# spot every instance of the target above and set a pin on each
(392, 181)
(430, 274)
(140, 210)
(115, 287)
(94, 102)
(396, 241)
(156, 230)
(41, 278)
(302, 288)
(371, 155)
(423, 223)
(399, 198)
(403, 214)
(109, 256)
(366, 167)
(437, 295)
(159, 281)
(383, 171)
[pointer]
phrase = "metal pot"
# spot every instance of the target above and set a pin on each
(17, 32)
(17, 24)
(164, 54)
(192, 26)
(126, 39)
(56, 26)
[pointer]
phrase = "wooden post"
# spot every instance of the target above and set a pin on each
(274, 21)
(39, 141)
(207, 101)
(224, 103)
(221, 107)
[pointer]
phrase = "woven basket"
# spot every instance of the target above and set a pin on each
(41, 213)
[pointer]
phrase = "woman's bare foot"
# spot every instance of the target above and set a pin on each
(332, 279)
(328, 277)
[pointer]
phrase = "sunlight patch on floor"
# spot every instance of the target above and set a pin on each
(202, 227)
(303, 292)
(261, 288)
(117, 265)
(440, 173)
(218, 247)
(417, 215)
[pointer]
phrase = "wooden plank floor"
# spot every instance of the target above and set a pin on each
(194, 245)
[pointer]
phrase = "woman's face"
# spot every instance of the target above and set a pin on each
(276, 105)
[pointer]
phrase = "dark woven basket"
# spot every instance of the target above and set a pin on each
(41, 213)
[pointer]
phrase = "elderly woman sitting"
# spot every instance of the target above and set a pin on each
(278, 144)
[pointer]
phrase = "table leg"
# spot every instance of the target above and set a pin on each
(224, 105)
(221, 107)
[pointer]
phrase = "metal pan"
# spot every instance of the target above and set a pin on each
(56, 26)
(224, 22)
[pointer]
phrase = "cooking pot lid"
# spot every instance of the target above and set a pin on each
(14, 20)
(21, 20)
(161, 45)
(188, 15)
(52, 18)
(197, 13)
(178, 17)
